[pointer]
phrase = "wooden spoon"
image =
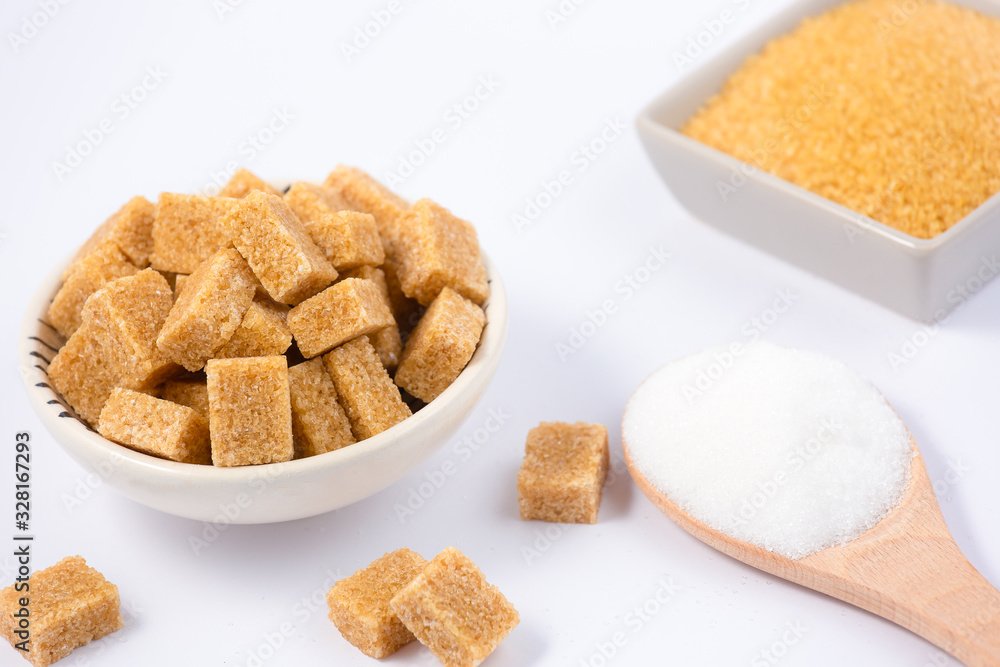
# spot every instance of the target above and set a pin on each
(907, 568)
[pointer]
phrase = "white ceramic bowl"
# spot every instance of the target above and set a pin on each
(268, 493)
(921, 278)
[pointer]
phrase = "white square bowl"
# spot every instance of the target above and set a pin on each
(921, 278)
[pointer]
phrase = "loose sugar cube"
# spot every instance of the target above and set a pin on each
(348, 238)
(346, 310)
(359, 604)
(262, 333)
(69, 604)
(563, 473)
(155, 426)
(454, 611)
(440, 346)
(189, 392)
(130, 228)
(319, 423)
(436, 250)
(366, 391)
(180, 280)
(115, 345)
(186, 230)
(363, 193)
(276, 245)
(242, 183)
(250, 413)
(87, 275)
(387, 342)
(209, 310)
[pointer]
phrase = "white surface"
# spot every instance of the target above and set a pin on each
(557, 89)
(786, 449)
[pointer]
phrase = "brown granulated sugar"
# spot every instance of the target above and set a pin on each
(894, 113)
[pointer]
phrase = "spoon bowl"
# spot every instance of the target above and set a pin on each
(907, 569)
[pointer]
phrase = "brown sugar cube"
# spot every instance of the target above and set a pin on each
(68, 605)
(437, 250)
(250, 413)
(115, 345)
(180, 279)
(370, 399)
(276, 245)
(242, 183)
(348, 238)
(319, 423)
(186, 230)
(359, 604)
(155, 426)
(130, 228)
(262, 333)
(209, 310)
(406, 310)
(454, 611)
(189, 392)
(361, 192)
(87, 275)
(562, 476)
(387, 342)
(346, 310)
(440, 346)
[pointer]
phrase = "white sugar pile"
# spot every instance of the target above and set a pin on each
(788, 450)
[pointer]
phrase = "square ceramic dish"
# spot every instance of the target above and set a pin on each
(921, 278)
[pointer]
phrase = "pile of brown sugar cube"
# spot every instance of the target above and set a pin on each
(255, 327)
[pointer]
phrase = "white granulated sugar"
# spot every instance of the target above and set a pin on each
(785, 449)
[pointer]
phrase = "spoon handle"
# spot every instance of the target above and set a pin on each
(922, 581)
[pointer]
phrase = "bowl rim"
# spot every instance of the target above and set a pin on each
(83, 443)
(749, 43)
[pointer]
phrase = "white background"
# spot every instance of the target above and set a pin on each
(557, 88)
